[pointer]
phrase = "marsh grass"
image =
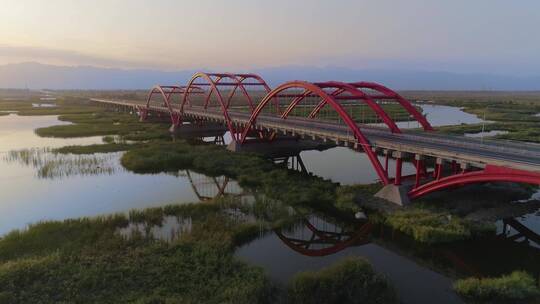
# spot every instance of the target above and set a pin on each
(516, 286)
(65, 105)
(276, 183)
(350, 280)
(508, 111)
(103, 123)
(154, 152)
(50, 165)
(429, 227)
(96, 148)
(250, 170)
(89, 261)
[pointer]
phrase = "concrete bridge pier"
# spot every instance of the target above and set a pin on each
(397, 191)
(397, 194)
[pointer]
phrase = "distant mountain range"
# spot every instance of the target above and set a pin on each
(42, 76)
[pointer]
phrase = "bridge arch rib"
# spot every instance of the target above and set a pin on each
(166, 93)
(318, 90)
(215, 82)
(389, 94)
(490, 173)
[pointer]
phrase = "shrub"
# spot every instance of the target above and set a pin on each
(351, 280)
(518, 285)
(429, 227)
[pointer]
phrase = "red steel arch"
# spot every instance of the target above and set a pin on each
(336, 241)
(331, 93)
(390, 94)
(166, 93)
(211, 80)
(318, 90)
(215, 81)
(490, 173)
(342, 87)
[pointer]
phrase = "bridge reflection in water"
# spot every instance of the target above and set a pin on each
(318, 237)
(419, 272)
(207, 188)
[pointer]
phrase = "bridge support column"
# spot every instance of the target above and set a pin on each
(399, 167)
(176, 123)
(143, 114)
(419, 162)
(437, 174)
(454, 167)
(464, 167)
(386, 159)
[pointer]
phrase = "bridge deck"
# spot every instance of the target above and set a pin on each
(462, 149)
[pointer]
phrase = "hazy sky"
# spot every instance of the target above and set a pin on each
(498, 36)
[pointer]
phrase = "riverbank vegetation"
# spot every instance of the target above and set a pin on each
(103, 123)
(517, 286)
(122, 259)
(250, 170)
(61, 106)
(514, 112)
(153, 151)
(89, 261)
(49, 164)
(350, 280)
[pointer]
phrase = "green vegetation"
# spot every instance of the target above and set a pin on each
(53, 165)
(464, 98)
(88, 120)
(105, 123)
(88, 261)
(153, 152)
(430, 227)
(262, 176)
(514, 112)
(425, 221)
(517, 130)
(518, 285)
(351, 280)
(65, 105)
(250, 170)
(97, 148)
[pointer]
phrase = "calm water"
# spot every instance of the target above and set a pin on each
(447, 116)
(75, 191)
(39, 187)
(407, 275)
(439, 116)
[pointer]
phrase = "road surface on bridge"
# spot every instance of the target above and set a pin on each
(516, 155)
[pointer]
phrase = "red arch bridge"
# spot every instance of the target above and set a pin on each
(361, 115)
